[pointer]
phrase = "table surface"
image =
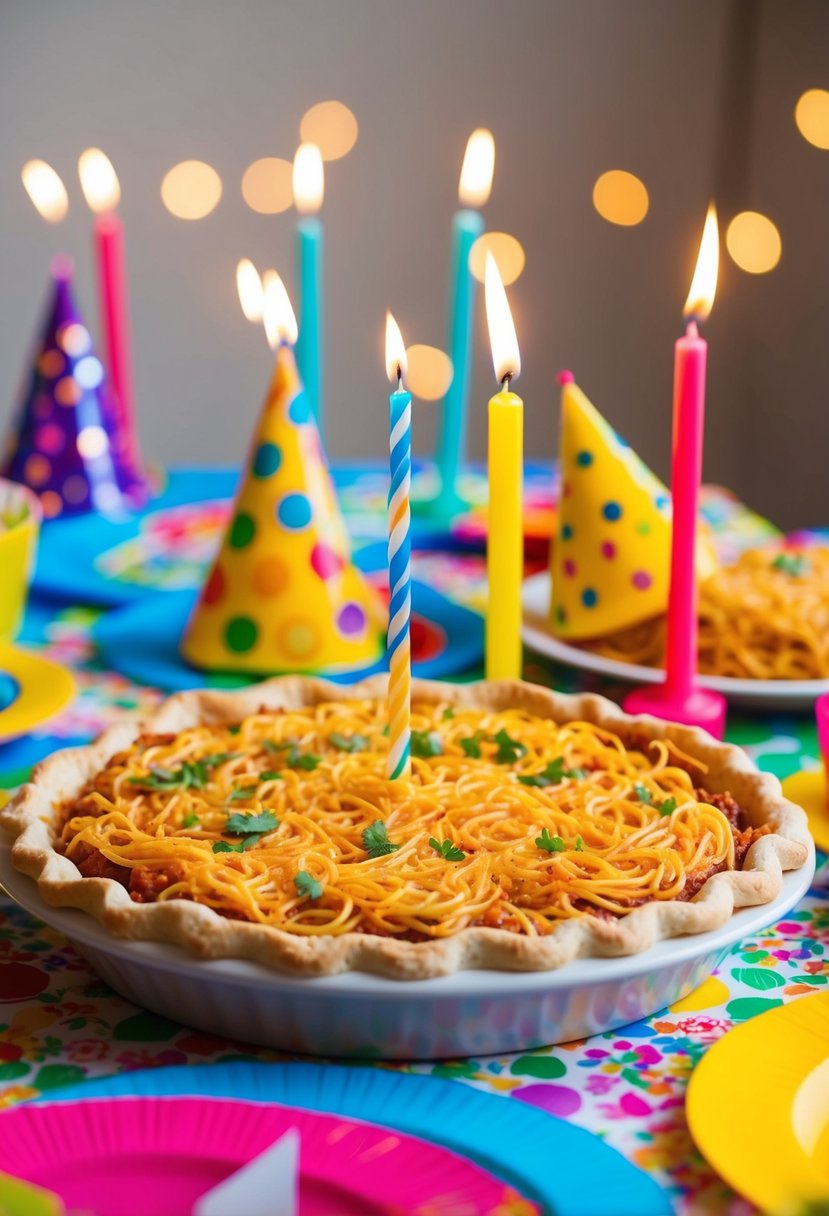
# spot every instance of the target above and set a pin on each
(60, 1024)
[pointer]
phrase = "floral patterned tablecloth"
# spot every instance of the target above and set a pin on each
(60, 1024)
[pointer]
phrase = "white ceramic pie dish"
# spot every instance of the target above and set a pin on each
(468, 1013)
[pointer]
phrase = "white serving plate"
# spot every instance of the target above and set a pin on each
(761, 694)
(470, 1013)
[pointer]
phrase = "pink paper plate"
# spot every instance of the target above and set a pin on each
(135, 1156)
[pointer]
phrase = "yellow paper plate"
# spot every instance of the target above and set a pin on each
(758, 1106)
(43, 689)
(808, 789)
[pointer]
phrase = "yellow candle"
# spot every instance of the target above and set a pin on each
(505, 537)
(505, 543)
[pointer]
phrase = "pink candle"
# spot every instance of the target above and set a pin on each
(679, 698)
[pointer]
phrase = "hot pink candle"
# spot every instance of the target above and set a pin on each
(679, 698)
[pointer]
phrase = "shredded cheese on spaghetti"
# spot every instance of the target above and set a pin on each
(552, 821)
(764, 618)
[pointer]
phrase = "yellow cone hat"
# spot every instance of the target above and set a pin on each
(283, 593)
(610, 558)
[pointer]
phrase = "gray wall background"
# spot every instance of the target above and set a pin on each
(695, 96)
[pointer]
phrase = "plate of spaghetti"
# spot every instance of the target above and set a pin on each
(763, 631)
(533, 829)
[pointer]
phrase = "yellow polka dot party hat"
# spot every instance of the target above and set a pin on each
(610, 557)
(283, 593)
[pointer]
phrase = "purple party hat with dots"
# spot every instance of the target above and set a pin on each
(65, 442)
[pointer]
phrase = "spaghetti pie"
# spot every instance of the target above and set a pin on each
(764, 618)
(269, 823)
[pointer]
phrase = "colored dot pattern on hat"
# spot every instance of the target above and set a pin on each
(612, 511)
(584, 459)
(214, 588)
(291, 598)
(608, 550)
(567, 532)
(294, 511)
(570, 568)
(267, 460)
(589, 597)
(641, 580)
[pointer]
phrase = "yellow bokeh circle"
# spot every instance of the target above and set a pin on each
(812, 117)
(507, 251)
(331, 126)
(753, 242)
(191, 190)
(620, 198)
(429, 372)
(266, 185)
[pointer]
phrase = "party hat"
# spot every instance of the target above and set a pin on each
(610, 558)
(65, 443)
(283, 594)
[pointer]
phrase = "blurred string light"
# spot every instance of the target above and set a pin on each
(753, 242)
(429, 372)
(507, 251)
(620, 198)
(812, 117)
(266, 185)
(46, 190)
(331, 126)
(191, 190)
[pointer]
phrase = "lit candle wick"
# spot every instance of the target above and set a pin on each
(692, 328)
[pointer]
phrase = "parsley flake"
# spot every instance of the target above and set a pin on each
(348, 743)
(579, 845)
(448, 714)
(643, 794)
(234, 730)
(271, 774)
(793, 564)
(552, 844)
(668, 806)
(472, 745)
(240, 824)
(509, 749)
(190, 820)
(222, 846)
(447, 849)
(553, 774)
(294, 758)
(306, 885)
(376, 840)
(242, 792)
(426, 743)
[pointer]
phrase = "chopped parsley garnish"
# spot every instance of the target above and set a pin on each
(242, 792)
(794, 564)
(509, 749)
(306, 885)
(190, 820)
(553, 774)
(219, 758)
(645, 796)
(426, 743)
(448, 714)
(271, 774)
(376, 840)
(447, 849)
(192, 775)
(240, 824)
(294, 758)
(348, 743)
(552, 844)
(579, 845)
(234, 730)
(222, 846)
(472, 745)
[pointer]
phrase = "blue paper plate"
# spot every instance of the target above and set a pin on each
(563, 1167)
(141, 641)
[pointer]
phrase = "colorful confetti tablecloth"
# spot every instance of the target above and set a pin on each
(60, 1024)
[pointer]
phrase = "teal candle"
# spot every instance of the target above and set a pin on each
(467, 226)
(309, 342)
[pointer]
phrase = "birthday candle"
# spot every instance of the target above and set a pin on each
(102, 191)
(467, 226)
(505, 534)
(309, 186)
(400, 575)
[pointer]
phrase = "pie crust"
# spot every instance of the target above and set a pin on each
(29, 820)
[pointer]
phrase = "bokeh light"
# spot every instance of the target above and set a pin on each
(620, 198)
(331, 126)
(429, 372)
(754, 243)
(46, 190)
(507, 251)
(812, 117)
(266, 185)
(191, 190)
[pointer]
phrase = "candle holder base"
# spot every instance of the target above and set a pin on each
(699, 707)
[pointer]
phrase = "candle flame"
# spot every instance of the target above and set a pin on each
(704, 283)
(250, 289)
(308, 179)
(505, 354)
(46, 190)
(277, 312)
(477, 170)
(99, 180)
(396, 363)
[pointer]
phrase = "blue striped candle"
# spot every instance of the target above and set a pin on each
(400, 570)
